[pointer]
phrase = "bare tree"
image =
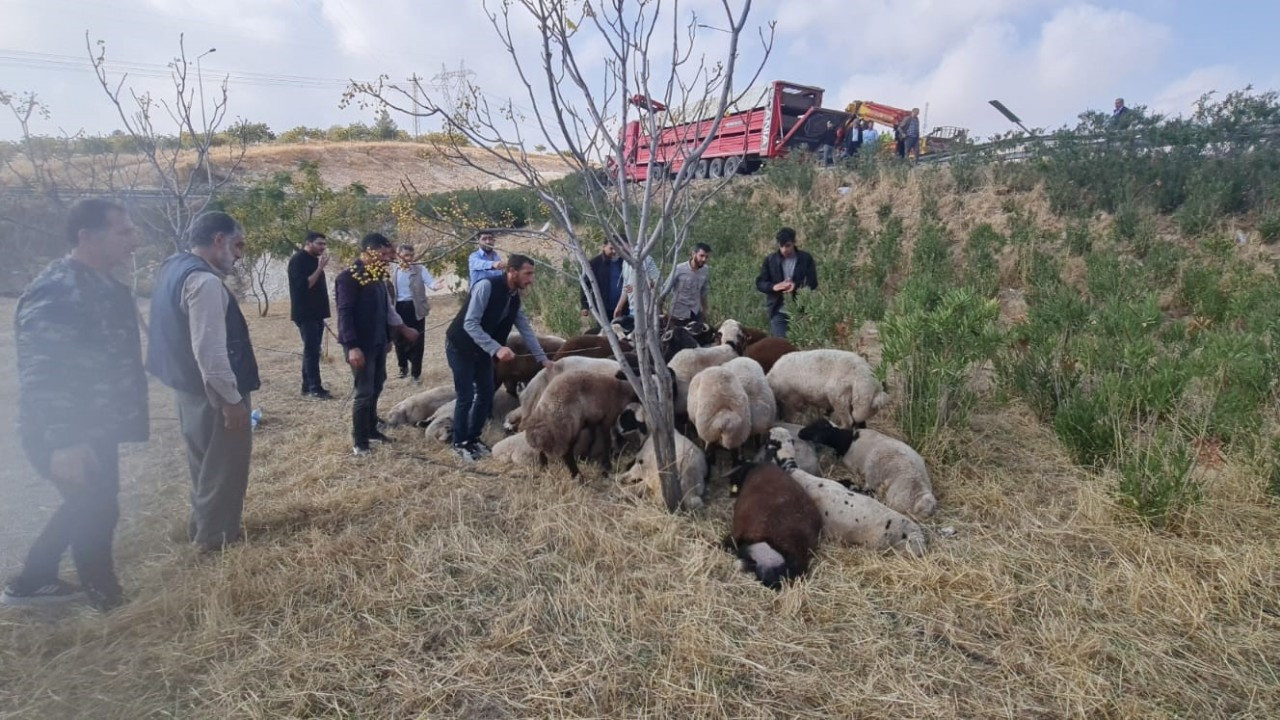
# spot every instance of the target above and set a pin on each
(578, 109)
(194, 124)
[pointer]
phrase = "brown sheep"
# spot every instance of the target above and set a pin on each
(776, 525)
(766, 351)
(575, 403)
(596, 346)
(520, 370)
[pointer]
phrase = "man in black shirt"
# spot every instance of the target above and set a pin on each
(309, 298)
(781, 274)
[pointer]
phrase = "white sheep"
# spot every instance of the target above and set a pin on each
(887, 466)
(720, 409)
(416, 408)
(691, 466)
(440, 424)
(806, 454)
(835, 381)
(515, 450)
(764, 408)
(848, 517)
(687, 363)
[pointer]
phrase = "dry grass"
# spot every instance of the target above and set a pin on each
(405, 586)
(379, 166)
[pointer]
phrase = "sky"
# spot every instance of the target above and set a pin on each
(288, 61)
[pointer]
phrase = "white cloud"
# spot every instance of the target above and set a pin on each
(1179, 97)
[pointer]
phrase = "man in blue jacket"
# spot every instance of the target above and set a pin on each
(781, 274)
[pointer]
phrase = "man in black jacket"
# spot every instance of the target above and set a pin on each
(367, 323)
(784, 272)
(82, 392)
(606, 274)
(309, 308)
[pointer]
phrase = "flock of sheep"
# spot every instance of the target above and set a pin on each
(734, 389)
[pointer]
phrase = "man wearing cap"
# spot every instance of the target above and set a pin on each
(782, 273)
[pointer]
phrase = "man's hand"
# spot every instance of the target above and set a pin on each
(355, 358)
(784, 286)
(504, 354)
(547, 364)
(69, 467)
(409, 334)
(500, 265)
(235, 417)
(324, 260)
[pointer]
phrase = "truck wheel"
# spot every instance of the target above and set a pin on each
(731, 166)
(700, 172)
(716, 168)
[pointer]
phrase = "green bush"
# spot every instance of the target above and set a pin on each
(934, 350)
(1157, 477)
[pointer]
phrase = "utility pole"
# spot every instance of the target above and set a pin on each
(414, 79)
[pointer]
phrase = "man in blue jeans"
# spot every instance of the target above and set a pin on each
(473, 343)
(309, 308)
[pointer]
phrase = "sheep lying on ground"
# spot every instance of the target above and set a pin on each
(416, 408)
(574, 403)
(691, 466)
(720, 410)
(440, 424)
(776, 525)
(837, 381)
(887, 466)
(515, 449)
(848, 517)
(805, 455)
(767, 351)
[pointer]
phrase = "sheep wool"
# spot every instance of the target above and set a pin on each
(691, 466)
(835, 381)
(515, 450)
(848, 517)
(719, 408)
(806, 456)
(888, 467)
(773, 509)
(764, 409)
(572, 403)
(418, 407)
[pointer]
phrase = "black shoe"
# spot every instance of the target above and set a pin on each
(381, 426)
(57, 592)
(104, 601)
(320, 394)
(465, 451)
(379, 437)
(480, 449)
(404, 373)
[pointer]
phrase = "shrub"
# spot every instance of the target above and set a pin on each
(1157, 477)
(934, 350)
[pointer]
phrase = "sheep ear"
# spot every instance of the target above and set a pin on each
(668, 335)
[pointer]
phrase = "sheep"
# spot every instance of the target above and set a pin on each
(763, 406)
(838, 381)
(531, 392)
(730, 333)
(753, 336)
(521, 369)
(889, 468)
(574, 403)
(691, 466)
(848, 517)
(595, 346)
(767, 351)
(776, 525)
(720, 410)
(415, 409)
(440, 424)
(515, 450)
(806, 456)
(687, 363)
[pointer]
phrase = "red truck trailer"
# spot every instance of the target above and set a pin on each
(789, 116)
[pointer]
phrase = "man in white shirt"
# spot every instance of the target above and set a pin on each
(411, 281)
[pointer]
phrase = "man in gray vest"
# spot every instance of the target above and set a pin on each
(199, 346)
